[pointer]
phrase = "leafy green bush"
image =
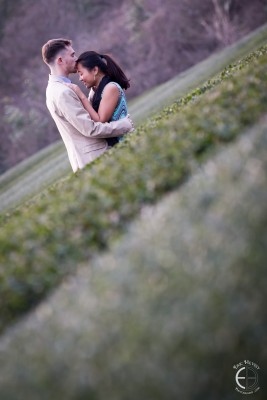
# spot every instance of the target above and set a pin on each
(81, 215)
(169, 311)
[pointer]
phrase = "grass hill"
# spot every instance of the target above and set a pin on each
(152, 40)
(43, 242)
(171, 292)
(50, 164)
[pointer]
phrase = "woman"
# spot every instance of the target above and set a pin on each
(107, 101)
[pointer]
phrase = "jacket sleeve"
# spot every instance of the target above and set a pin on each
(71, 108)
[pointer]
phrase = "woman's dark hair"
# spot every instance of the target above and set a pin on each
(91, 59)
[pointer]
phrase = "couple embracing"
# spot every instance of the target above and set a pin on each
(88, 126)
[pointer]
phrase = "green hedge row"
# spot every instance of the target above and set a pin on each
(42, 243)
(169, 310)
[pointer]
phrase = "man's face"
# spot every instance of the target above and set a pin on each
(69, 60)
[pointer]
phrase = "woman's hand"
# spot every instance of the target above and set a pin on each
(76, 89)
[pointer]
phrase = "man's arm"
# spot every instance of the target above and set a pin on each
(72, 109)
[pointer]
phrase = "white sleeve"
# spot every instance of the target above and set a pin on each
(91, 95)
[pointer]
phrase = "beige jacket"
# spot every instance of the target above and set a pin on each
(83, 138)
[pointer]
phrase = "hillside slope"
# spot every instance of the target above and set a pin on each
(72, 221)
(37, 172)
(152, 40)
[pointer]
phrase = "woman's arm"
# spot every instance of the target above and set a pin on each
(108, 102)
(107, 105)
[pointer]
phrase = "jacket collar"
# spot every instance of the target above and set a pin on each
(61, 79)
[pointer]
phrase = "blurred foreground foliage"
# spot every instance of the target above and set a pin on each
(170, 310)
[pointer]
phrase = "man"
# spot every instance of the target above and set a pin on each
(84, 139)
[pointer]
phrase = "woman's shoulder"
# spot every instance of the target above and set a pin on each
(112, 84)
(112, 89)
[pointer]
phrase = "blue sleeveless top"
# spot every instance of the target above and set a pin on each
(121, 109)
(120, 112)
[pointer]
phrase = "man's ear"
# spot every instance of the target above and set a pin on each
(59, 60)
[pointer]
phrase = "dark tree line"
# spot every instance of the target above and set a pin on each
(151, 39)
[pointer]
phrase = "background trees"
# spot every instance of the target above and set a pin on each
(151, 39)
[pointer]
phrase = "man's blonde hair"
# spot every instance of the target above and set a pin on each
(51, 49)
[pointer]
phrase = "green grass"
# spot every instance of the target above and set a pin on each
(37, 172)
(42, 243)
(32, 175)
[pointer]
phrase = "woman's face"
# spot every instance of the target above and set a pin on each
(87, 76)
